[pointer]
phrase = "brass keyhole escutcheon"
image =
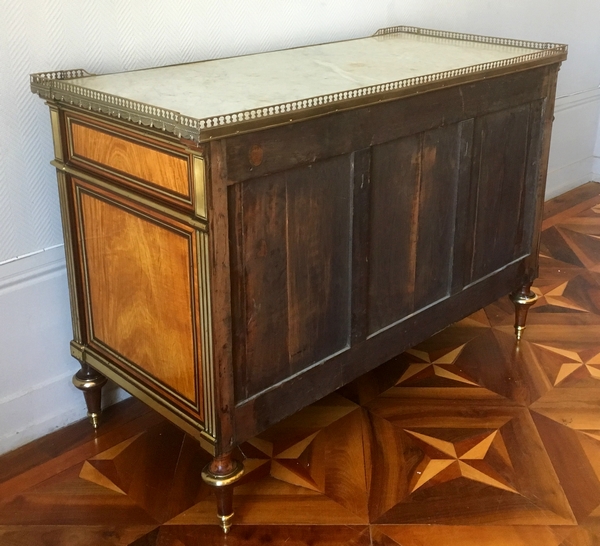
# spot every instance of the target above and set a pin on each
(255, 155)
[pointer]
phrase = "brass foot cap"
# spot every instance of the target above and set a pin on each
(519, 332)
(224, 480)
(88, 384)
(226, 522)
(94, 419)
(522, 299)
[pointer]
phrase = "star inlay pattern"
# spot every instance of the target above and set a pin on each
(589, 368)
(292, 465)
(467, 438)
(468, 458)
(554, 296)
(443, 367)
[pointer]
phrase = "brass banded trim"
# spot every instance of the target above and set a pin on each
(133, 196)
(215, 480)
(524, 299)
(171, 412)
(56, 86)
(77, 350)
(208, 379)
(69, 258)
(226, 522)
(200, 187)
(56, 136)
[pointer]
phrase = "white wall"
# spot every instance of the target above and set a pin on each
(36, 394)
(104, 36)
(596, 166)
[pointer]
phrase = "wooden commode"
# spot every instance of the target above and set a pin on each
(246, 235)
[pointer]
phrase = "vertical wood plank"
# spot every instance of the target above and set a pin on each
(437, 215)
(265, 280)
(547, 115)
(360, 243)
(319, 257)
(238, 307)
(501, 151)
(395, 178)
(291, 285)
(533, 200)
(466, 206)
(220, 294)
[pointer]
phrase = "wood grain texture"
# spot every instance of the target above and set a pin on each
(469, 438)
(221, 294)
(318, 240)
(336, 134)
(499, 233)
(395, 185)
(310, 535)
(413, 216)
(562, 206)
(292, 272)
(141, 291)
(334, 243)
(121, 155)
(444, 218)
(438, 211)
(498, 535)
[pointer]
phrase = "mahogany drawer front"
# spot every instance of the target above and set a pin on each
(150, 167)
(145, 297)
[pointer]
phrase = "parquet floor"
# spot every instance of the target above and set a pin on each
(466, 439)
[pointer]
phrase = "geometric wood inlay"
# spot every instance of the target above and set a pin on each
(443, 462)
(467, 438)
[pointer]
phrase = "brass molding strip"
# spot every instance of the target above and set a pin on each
(77, 350)
(208, 379)
(56, 136)
(199, 170)
(133, 196)
(174, 414)
(69, 258)
(56, 86)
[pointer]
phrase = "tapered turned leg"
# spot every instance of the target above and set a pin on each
(91, 382)
(221, 473)
(523, 300)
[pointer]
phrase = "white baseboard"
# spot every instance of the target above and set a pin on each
(36, 394)
(576, 100)
(569, 177)
(596, 169)
(22, 271)
(44, 408)
(30, 414)
(573, 138)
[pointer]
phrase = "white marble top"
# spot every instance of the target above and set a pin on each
(217, 87)
(203, 98)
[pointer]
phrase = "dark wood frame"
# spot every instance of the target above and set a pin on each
(334, 243)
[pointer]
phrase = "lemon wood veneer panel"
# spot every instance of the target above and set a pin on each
(141, 290)
(124, 156)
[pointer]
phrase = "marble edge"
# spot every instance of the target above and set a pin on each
(56, 86)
